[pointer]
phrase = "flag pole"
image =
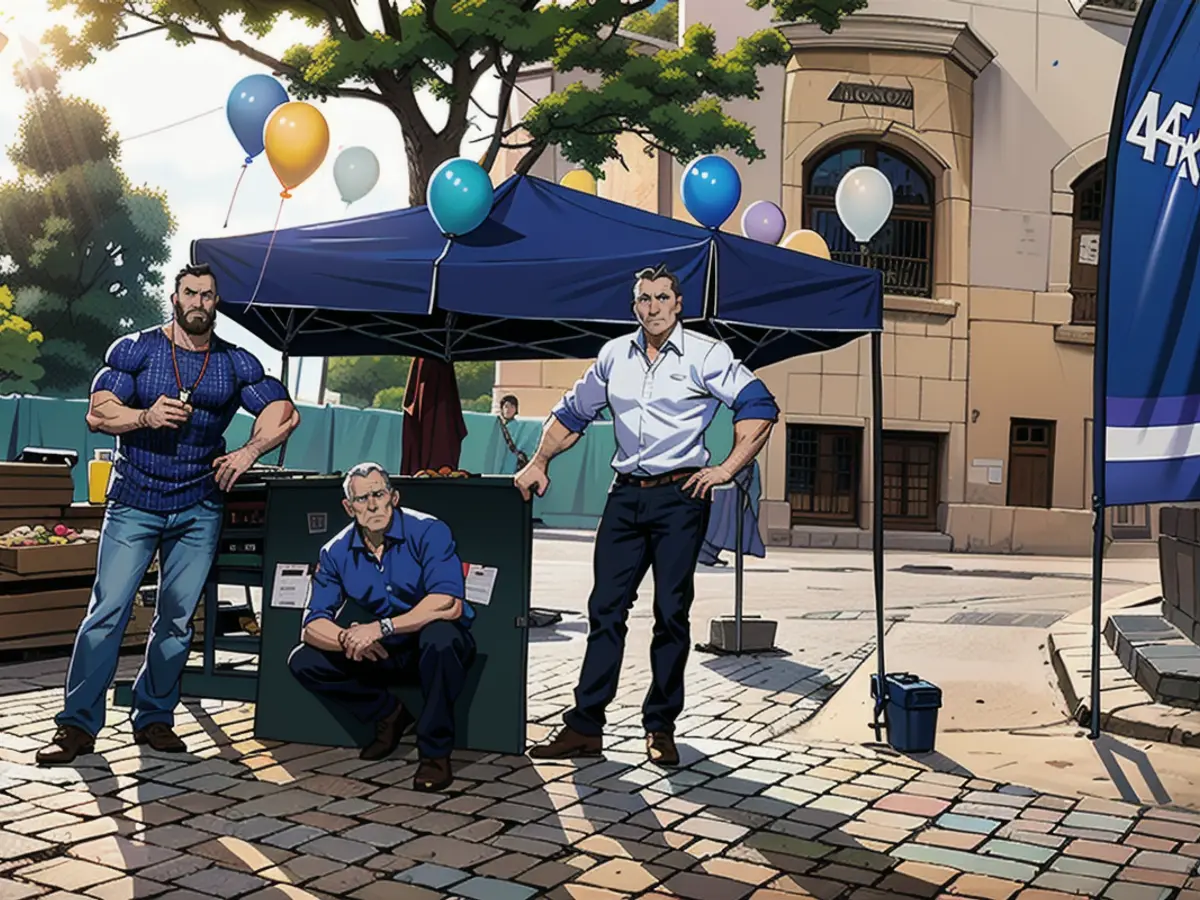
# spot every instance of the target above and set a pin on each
(1116, 135)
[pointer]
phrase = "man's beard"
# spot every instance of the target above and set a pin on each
(194, 325)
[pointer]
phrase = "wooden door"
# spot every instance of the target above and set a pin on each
(910, 480)
(1031, 463)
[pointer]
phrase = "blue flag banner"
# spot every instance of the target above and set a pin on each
(1148, 322)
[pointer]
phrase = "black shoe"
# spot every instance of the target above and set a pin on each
(161, 737)
(433, 775)
(68, 743)
(661, 749)
(388, 732)
(569, 744)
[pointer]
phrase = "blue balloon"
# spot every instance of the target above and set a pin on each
(250, 104)
(459, 196)
(711, 190)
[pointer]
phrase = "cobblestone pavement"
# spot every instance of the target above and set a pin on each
(746, 816)
(751, 813)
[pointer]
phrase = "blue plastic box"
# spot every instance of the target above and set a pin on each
(911, 711)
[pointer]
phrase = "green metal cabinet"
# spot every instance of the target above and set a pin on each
(492, 526)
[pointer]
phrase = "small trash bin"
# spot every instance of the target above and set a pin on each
(911, 711)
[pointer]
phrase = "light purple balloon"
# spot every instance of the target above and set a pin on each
(764, 221)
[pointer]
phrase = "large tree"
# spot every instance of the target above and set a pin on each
(82, 245)
(672, 98)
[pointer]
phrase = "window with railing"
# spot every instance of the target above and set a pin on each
(903, 249)
(1085, 243)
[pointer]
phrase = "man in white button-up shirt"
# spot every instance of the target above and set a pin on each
(663, 385)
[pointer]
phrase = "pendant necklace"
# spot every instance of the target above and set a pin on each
(185, 394)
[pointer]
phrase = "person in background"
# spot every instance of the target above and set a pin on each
(168, 394)
(400, 566)
(509, 410)
(663, 384)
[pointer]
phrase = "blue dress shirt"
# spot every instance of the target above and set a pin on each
(166, 470)
(661, 409)
(419, 559)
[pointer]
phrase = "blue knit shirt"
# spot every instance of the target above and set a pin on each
(166, 470)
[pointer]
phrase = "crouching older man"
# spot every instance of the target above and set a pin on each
(400, 566)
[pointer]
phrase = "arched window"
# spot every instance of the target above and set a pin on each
(1085, 243)
(903, 249)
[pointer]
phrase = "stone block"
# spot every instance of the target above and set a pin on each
(1168, 561)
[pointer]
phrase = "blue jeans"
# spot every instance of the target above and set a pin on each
(187, 543)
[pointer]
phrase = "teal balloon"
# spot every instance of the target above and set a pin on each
(459, 196)
(355, 172)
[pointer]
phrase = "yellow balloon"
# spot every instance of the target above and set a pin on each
(296, 140)
(580, 180)
(806, 241)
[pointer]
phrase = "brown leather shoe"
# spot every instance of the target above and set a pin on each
(68, 743)
(433, 775)
(388, 732)
(661, 749)
(161, 737)
(569, 744)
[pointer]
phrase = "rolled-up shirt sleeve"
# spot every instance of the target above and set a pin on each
(256, 389)
(727, 379)
(441, 568)
(122, 363)
(581, 405)
(325, 594)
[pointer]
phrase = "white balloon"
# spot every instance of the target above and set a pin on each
(355, 172)
(864, 202)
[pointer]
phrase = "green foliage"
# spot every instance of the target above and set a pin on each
(388, 398)
(663, 24)
(672, 99)
(19, 350)
(84, 245)
(358, 380)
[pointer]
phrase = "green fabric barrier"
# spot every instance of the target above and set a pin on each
(333, 438)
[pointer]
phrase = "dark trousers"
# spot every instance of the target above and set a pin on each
(642, 527)
(439, 655)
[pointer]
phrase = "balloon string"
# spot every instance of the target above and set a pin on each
(229, 212)
(263, 271)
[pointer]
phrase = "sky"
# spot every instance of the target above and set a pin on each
(167, 104)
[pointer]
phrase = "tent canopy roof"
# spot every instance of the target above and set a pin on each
(549, 274)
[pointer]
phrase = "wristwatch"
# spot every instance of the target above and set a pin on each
(386, 629)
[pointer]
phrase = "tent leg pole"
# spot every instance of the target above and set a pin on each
(877, 516)
(283, 376)
(739, 571)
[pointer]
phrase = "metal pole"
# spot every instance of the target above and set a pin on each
(877, 513)
(283, 376)
(324, 379)
(739, 568)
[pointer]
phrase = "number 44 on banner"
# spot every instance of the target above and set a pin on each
(479, 582)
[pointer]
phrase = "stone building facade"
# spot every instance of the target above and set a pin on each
(990, 119)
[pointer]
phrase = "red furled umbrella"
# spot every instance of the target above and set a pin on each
(434, 427)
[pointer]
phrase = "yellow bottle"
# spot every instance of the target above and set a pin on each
(99, 470)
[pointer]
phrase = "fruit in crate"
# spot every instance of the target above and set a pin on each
(443, 472)
(41, 536)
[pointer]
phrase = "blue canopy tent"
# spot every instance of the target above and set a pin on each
(550, 274)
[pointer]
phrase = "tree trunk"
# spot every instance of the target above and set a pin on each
(424, 156)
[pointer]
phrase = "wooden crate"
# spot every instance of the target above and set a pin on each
(15, 517)
(32, 485)
(49, 559)
(83, 515)
(44, 620)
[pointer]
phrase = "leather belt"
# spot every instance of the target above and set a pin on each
(649, 481)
